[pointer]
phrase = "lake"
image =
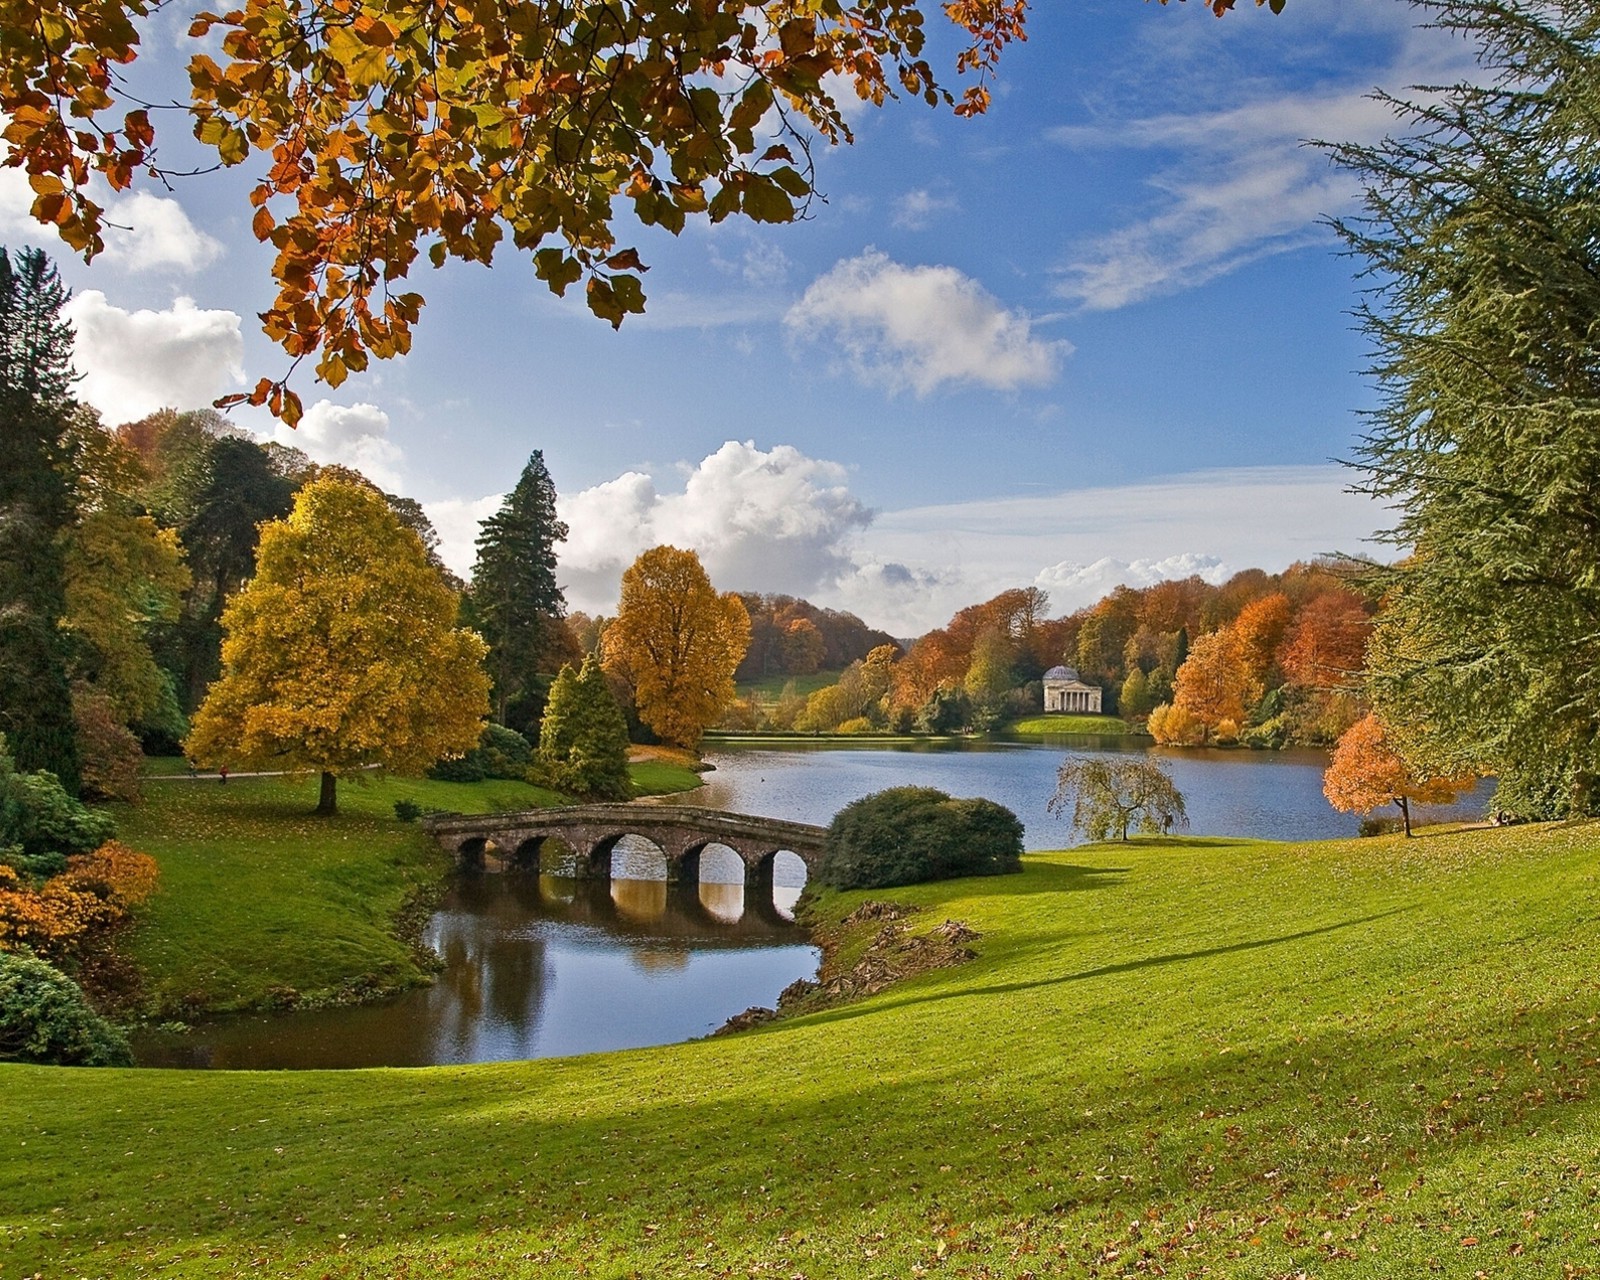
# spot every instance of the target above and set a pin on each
(1274, 795)
(539, 966)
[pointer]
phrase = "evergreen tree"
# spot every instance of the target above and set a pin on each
(35, 507)
(583, 741)
(1483, 232)
(516, 603)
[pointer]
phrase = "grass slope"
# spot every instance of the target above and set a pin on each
(1062, 722)
(262, 904)
(1367, 1059)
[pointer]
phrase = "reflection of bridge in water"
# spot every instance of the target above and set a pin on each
(592, 833)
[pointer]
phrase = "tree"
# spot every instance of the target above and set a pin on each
(1215, 683)
(1482, 235)
(419, 126)
(989, 678)
(35, 511)
(677, 642)
(516, 601)
(342, 652)
(1366, 771)
(45, 1017)
(1108, 794)
(584, 740)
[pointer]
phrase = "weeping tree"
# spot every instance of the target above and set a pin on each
(1481, 234)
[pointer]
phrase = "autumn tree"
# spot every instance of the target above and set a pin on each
(35, 511)
(1106, 795)
(1366, 771)
(1215, 683)
(516, 602)
(677, 642)
(342, 652)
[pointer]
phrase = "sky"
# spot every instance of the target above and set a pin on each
(1101, 334)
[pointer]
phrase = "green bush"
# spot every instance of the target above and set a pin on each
(907, 835)
(407, 810)
(44, 1018)
(500, 753)
(40, 824)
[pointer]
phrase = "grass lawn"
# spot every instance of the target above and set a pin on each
(768, 690)
(1372, 1059)
(1061, 722)
(262, 904)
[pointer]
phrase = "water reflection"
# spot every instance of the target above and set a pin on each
(536, 966)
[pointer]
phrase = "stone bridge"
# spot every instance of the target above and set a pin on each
(681, 832)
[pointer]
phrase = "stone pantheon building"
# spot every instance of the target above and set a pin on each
(1064, 691)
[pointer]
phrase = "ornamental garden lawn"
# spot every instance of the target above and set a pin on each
(1188, 1057)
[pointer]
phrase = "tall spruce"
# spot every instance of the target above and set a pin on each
(1482, 235)
(517, 606)
(35, 509)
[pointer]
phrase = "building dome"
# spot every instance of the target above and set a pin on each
(1061, 673)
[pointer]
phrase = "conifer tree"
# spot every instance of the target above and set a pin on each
(516, 602)
(1482, 232)
(583, 740)
(35, 507)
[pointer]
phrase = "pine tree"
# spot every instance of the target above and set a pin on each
(583, 741)
(35, 507)
(516, 603)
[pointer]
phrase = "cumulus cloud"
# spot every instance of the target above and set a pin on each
(1078, 584)
(146, 232)
(760, 520)
(355, 435)
(143, 231)
(921, 328)
(134, 362)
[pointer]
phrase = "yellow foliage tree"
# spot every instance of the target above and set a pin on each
(677, 641)
(1215, 682)
(342, 652)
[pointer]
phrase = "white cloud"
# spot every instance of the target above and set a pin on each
(134, 362)
(773, 520)
(143, 231)
(920, 328)
(915, 210)
(146, 232)
(355, 435)
(1073, 585)
(1239, 183)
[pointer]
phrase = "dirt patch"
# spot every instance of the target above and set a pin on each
(894, 954)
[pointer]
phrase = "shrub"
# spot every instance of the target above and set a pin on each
(45, 1018)
(111, 753)
(500, 753)
(40, 819)
(91, 896)
(907, 835)
(407, 810)
(858, 724)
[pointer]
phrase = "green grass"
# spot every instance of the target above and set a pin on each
(768, 690)
(261, 903)
(1058, 722)
(1371, 1059)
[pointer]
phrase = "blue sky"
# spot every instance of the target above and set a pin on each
(1098, 335)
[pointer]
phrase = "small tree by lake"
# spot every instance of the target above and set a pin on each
(1109, 796)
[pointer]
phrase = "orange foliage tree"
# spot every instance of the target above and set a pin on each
(677, 642)
(1366, 772)
(1215, 685)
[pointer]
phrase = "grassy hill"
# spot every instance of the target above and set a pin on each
(1369, 1059)
(1056, 723)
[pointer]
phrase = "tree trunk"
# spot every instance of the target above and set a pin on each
(1405, 812)
(327, 801)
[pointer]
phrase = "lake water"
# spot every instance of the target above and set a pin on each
(1274, 795)
(538, 966)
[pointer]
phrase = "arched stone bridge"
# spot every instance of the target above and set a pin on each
(681, 832)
